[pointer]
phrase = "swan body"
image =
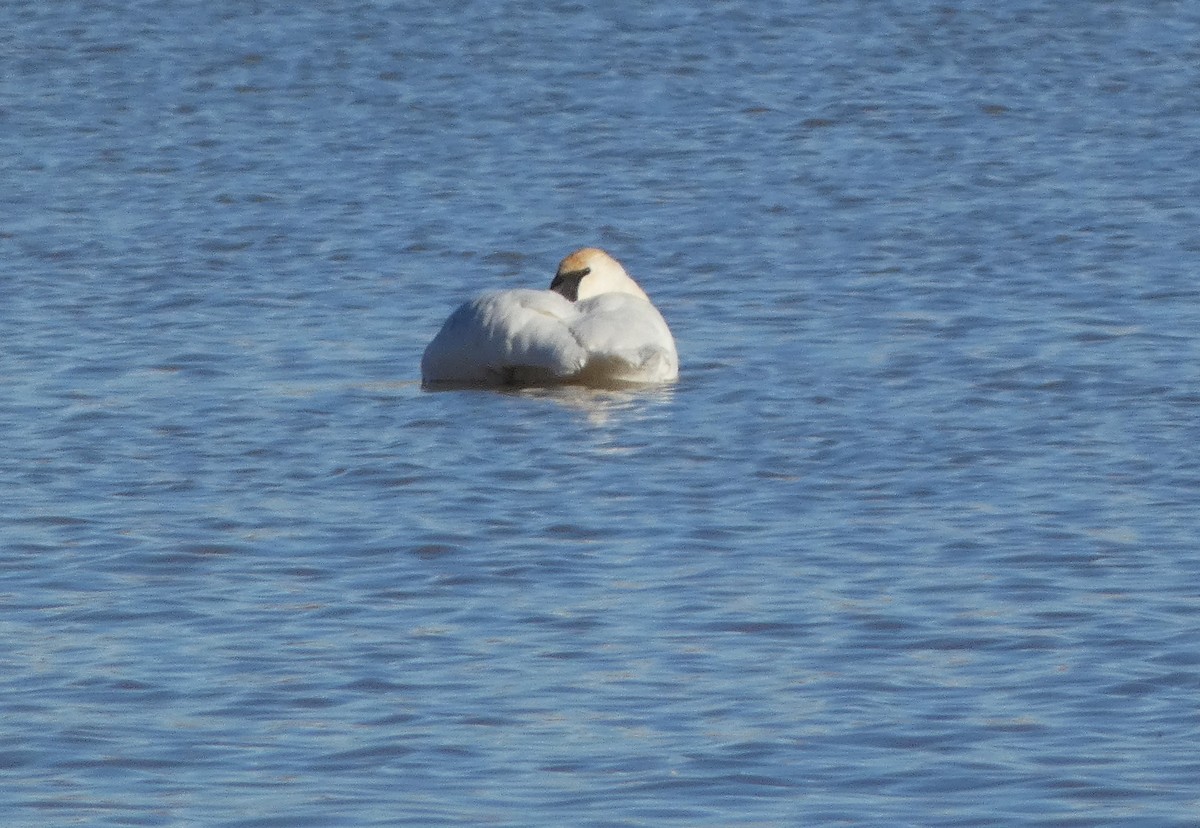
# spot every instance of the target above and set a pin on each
(594, 326)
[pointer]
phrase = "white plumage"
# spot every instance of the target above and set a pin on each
(595, 326)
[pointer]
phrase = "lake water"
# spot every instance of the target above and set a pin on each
(915, 540)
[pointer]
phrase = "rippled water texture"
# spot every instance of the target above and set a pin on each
(912, 542)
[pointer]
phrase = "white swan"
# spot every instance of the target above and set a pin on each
(594, 326)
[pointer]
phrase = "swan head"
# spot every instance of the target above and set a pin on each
(590, 272)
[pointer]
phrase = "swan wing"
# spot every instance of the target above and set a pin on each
(508, 337)
(626, 340)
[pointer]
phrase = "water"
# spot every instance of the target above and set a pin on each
(912, 542)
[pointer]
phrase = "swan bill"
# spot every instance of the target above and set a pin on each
(567, 283)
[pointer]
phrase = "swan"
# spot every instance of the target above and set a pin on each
(594, 326)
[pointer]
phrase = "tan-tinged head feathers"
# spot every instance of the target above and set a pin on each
(590, 272)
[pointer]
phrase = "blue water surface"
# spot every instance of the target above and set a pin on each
(914, 540)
